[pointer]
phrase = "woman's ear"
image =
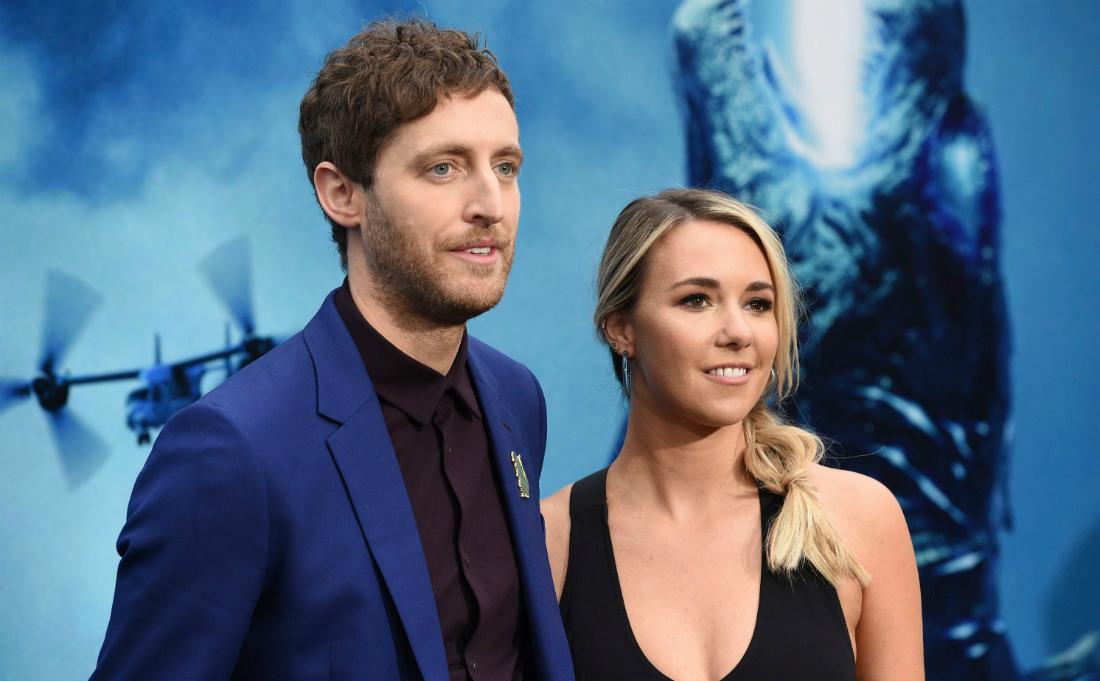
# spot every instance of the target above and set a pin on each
(342, 199)
(619, 333)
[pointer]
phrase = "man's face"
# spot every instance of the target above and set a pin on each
(440, 223)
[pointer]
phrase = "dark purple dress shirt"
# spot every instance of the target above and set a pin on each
(442, 448)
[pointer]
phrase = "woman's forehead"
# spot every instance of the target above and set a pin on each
(707, 249)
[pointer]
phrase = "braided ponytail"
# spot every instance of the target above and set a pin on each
(778, 456)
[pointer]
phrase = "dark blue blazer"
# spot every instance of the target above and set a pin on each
(270, 536)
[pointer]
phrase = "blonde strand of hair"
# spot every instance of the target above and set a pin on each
(779, 456)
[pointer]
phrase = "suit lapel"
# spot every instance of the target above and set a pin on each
(363, 453)
(525, 522)
(522, 512)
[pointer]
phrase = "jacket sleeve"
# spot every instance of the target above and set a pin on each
(193, 555)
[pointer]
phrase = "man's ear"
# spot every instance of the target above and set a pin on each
(342, 199)
(619, 333)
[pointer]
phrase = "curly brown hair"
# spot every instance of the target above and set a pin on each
(387, 75)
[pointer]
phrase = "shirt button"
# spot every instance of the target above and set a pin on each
(473, 664)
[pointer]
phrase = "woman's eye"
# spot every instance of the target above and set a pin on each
(696, 300)
(761, 305)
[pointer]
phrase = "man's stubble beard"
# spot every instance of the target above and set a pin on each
(406, 282)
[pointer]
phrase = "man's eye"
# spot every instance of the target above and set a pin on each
(441, 169)
(507, 169)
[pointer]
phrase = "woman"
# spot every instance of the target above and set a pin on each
(715, 546)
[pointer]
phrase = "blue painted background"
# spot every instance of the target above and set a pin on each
(135, 138)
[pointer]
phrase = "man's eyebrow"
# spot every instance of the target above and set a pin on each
(511, 150)
(441, 150)
(430, 153)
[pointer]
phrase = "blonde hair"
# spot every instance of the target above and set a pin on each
(778, 455)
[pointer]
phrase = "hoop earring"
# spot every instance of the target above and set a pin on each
(626, 373)
(773, 382)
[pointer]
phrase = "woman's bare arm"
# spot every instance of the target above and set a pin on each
(887, 613)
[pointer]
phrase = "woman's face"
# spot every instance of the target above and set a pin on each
(703, 334)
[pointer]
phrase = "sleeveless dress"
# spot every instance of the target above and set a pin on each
(800, 631)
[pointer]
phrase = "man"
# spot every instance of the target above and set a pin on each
(362, 502)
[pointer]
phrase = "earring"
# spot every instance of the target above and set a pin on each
(626, 373)
(774, 381)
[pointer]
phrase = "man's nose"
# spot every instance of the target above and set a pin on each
(485, 201)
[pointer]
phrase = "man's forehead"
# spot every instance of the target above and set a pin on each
(480, 122)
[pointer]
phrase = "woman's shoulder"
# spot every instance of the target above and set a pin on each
(863, 510)
(851, 491)
(555, 515)
(885, 614)
(555, 509)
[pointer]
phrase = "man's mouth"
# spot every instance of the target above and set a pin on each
(481, 253)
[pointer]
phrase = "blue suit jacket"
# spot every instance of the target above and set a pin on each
(270, 536)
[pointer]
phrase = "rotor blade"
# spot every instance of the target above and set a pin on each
(82, 451)
(69, 304)
(13, 391)
(228, 270)
(208, 357)
(227, 361)
(124, 375)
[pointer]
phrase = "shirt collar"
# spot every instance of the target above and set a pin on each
(400, 380)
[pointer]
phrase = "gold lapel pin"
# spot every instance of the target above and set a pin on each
(521, 476)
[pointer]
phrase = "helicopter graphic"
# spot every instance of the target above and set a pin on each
(166, 387)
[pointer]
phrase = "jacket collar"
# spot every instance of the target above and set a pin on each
(343, 386)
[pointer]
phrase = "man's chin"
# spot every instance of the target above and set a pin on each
(472, 306)
(477, 271)
(455, 307)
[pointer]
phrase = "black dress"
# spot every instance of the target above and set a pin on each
(800, 631)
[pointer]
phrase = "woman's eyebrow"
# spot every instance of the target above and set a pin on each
(710, 282)
(705, 282)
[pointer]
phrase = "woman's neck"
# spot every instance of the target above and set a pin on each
(677, 468)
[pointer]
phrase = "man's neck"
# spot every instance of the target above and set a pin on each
(432, 344)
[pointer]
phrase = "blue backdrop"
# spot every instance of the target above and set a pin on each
(136, 139)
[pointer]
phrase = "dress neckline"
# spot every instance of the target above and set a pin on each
(620, 600)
